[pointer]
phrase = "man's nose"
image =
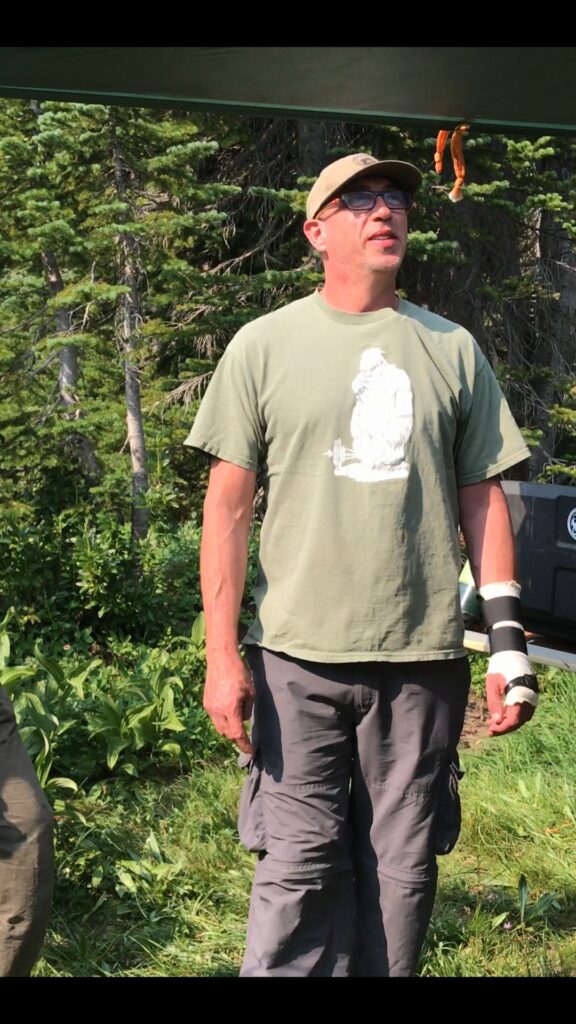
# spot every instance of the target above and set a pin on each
(380, 207)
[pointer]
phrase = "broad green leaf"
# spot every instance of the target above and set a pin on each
(115, 747)
(49, 665)
(152, 845)
(10, 677)
(126, 879)
(198, 631)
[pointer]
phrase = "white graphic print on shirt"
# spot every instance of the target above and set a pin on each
(381, 423)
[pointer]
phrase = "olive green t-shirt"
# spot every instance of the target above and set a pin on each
(363, 427)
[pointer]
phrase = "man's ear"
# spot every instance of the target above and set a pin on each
(315, 232)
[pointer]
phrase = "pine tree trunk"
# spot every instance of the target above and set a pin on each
(138, 454)
(76, 444)
(68, 376)
(129, 320)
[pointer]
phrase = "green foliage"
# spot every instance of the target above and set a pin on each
(133, 712)
(75, 575)
(151, 881)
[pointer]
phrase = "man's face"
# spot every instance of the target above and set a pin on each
(365, 241)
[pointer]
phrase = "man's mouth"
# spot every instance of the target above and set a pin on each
(383, 236)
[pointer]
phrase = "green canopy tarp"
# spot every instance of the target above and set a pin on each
(528, 89)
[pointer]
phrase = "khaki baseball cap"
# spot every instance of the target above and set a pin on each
(333, 178)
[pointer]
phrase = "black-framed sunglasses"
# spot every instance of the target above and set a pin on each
(395, 199)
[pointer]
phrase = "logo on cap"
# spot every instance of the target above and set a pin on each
(363, 159)
(571, 523)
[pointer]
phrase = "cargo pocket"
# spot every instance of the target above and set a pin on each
(251, 814)
(449, 815)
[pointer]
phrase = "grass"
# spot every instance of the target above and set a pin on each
(506, 897)
(155, 884)
(152, 881)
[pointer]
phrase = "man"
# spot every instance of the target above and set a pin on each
(376, 428)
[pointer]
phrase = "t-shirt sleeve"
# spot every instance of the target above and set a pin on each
(488, 440)
(228, 424)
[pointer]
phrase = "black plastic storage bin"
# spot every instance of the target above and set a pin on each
(544, 521)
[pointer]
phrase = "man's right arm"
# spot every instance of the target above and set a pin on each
(229, 692)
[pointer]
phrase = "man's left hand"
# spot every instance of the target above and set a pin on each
(504, 717)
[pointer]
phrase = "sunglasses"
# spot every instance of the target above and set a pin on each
(395, 199)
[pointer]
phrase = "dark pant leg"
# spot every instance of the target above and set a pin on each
(26, 866)
(405, 741)
(301, 910)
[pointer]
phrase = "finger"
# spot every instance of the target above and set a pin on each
(525, 711)
(495, 684)
(247, 707)
(232, 728)
(515, 716)
(512, 720)
(220, 723)
(237, 733)
(250, 684)
(242, 742)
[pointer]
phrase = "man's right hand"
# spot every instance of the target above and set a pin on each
(229, 698)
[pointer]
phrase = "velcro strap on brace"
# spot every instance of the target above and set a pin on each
(522, 690)
(530, 682)
(507, 638)
(502, 614)
(500, 609)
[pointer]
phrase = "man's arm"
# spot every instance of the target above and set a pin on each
(485, 524)
(229, 692)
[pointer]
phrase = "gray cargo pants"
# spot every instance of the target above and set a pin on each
(342, 803)
(26, 867)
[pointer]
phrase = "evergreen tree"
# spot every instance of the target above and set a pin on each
(135, 243)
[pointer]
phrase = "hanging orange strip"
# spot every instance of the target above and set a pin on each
(457, 157)
(458, 160)
(441, 141)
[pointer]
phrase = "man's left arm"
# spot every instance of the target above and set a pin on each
(511, 686)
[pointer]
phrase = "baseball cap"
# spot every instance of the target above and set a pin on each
(341, 172)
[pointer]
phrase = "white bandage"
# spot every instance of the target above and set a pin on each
(509, 658)
(513, 665)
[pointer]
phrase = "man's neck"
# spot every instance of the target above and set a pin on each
(363, 297)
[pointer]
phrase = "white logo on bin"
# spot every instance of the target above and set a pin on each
(571, 523)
